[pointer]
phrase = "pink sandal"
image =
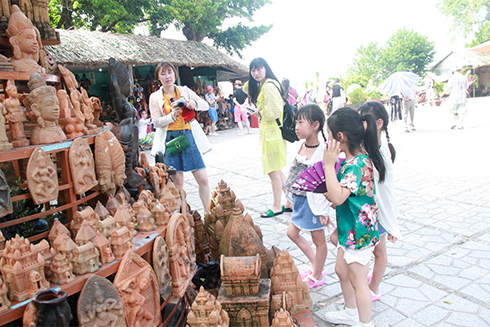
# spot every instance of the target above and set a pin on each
(313, 282)
(375, 297)
(305, 274)
(370, 276)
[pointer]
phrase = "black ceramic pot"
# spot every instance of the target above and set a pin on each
(48, 308)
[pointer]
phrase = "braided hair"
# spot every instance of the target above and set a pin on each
(378, 111)
(313, 113)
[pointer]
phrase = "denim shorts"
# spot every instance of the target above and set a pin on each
(381, 229)
(302, 216)
(188, 160)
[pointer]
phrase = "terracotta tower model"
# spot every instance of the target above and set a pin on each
(206, 311)
(22, 269)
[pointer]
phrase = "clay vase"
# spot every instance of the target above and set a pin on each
(48, 308)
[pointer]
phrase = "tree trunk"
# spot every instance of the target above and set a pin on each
(66, 21)
(190, 33)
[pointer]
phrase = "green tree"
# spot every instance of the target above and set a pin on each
(365, 66)
(469, 16)
(196, 18)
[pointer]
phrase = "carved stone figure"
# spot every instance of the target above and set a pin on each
(61, 270)
(207, 312)
(285, 277)
(85, 234)
(102, 244)
(15, 116)
(120, 86)
(72, 126)
(85, 259)
(97, 110)
(4, 299)
(56, 229)
(22, 269)
(88, 111)
(43, 101)
(182, 253)
(4, 140)
(109, 162)
(42, 178)
(100, 304)
(137, 284)
(161, 266)
(5, 200)
(82, 166)
(26, 43)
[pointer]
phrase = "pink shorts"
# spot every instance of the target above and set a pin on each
(240, 116)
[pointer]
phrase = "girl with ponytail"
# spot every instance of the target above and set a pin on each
(352, 191)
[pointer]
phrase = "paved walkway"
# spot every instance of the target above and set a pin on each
(439, 274)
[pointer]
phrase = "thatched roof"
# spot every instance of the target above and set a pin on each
(86, 50)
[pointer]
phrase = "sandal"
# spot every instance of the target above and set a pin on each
(375, 297)
(269, 213)
(285, 209)
(370, 276)
(305, 274)
(313, 282)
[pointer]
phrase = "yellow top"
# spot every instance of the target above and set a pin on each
(179, 123)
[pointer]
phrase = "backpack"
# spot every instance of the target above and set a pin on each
(288, 127)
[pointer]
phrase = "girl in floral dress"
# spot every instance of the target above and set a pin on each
(352, 191)
(307, 206)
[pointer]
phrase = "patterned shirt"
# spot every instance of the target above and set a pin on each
(457, 85)
(357, 217)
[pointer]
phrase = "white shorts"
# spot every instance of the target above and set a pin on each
(362, 256)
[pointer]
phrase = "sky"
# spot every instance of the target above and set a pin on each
(310, 36)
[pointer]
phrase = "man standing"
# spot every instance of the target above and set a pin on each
(457, 85)
(338, 96)
(408, 97)
(211, 99)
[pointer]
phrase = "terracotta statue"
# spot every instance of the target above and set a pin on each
(4, 141)
(88, 111)
(5, 200)
(43, 101)
(100, 304)
(181, 251)
(72, 126)
(144, 160)
(207, 312)
(109, 162)
(61, 269)
(82, 166)
(75, 96)
(161, 266)
(26, 43)
(102, 244)
(42, 178)
(120, 86)
(137, 284)
(15, 116)
(97, 106)
(4, 299)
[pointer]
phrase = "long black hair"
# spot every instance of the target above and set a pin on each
(378, 111)
(313, 113)
(253, 85)
(285, 87)
(351, 123)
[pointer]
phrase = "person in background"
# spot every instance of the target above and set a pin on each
(338, 98)
(144, 137)
(457, 86)
(240, 101)
(290, 92)
(213, 114)
(408, 97)
(265, 92)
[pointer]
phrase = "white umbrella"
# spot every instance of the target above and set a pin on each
(399, 82)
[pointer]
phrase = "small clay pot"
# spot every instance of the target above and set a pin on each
(47, 309)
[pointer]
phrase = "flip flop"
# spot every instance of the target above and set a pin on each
(305, 274)
(313, 282)
(269, 213)
(284, 209)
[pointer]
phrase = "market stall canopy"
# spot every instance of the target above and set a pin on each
(82, 50)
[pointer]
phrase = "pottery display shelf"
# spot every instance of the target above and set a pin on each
(54, 80)
(67, 199)
(143, 244)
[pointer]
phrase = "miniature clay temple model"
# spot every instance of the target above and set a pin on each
(109, 162)
(286, 278)
(161, 266)
(15, 116)
(112, 205)
(145, 222)
(137, 284)
(121, 241)
(180, 244)
(43, 101)
(101, 211)
(26, 43)
(120, 86)
(85, 259)
(104, 248)
(4, 140)
(100, 304)
(82, 166)
(5, 200)
(282, 318)
(42, 178)
(61, 270)
(207, 312)
(64, 244)
(56, 229)
(22, 269)
(85, 234)
(243, 295)
(88, 214)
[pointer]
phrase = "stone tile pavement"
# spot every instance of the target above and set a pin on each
(439, 274)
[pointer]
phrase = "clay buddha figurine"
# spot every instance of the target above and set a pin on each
(43, 101)
(4, 141)
(26, 43)
(15, 116)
